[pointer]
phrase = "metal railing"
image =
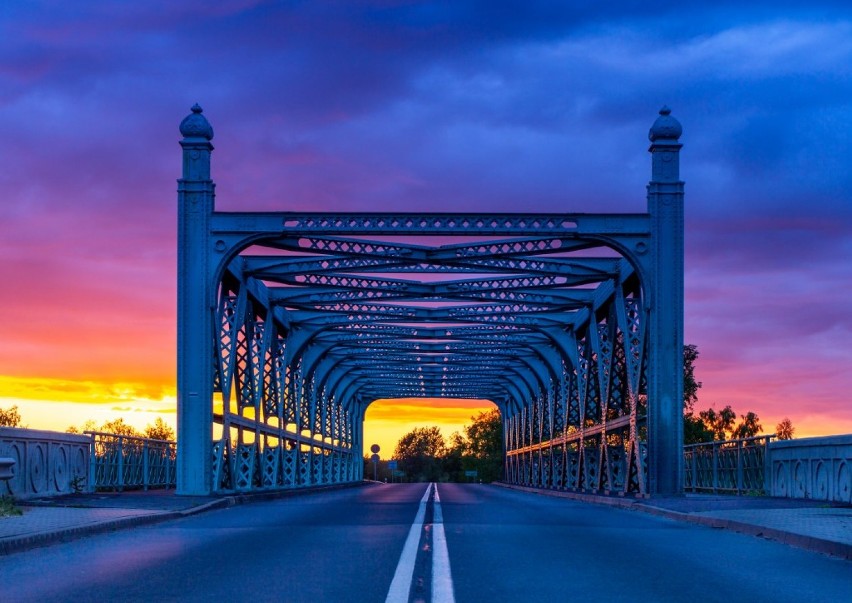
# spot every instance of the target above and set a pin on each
(127, 462)
(729, 466)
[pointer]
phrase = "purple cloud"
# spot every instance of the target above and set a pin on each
(438, 106)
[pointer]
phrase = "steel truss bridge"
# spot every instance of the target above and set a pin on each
(291, 324)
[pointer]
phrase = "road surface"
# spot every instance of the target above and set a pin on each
(366, 544)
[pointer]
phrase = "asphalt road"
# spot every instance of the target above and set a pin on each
(345, 545)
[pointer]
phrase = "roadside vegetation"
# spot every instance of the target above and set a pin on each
(711, 425)
(423, 455)
(8, 508)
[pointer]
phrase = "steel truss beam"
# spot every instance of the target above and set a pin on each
(570, 323)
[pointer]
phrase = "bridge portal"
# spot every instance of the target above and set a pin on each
(291, 324)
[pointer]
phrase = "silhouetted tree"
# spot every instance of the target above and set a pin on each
(119, 427)
(420, 452)
(720, 423)
(690, 385)
(784, 430)
(748, 426)
(710, 424)
(160, 430)
(695, 431)
(454, 457)
(89, 425)
(10, 417)
(484, 437)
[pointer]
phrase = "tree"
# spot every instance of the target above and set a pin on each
(484, 438)
(690, 385)
(709, 424)
(10, 417)
(160, 430)
(695, 431)
(116, 426)
(719, 423)
(119, 427)
(89, 425)
(784, 430)
(419, 453)
(454, 457)
(748, 426)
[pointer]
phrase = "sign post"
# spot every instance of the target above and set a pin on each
(375, 458)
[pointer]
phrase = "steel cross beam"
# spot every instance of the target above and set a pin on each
(571, 323)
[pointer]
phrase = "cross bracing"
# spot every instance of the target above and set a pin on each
(291, 324)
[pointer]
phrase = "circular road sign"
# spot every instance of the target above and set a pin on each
(375, 458)
(375, 448)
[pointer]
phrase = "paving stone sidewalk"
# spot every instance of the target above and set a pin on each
(57, 519)
(49, 520)
(814, 525)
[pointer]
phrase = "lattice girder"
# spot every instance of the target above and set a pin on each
(560, 319)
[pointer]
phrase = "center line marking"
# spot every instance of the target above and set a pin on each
(401, 584)
(442, 578)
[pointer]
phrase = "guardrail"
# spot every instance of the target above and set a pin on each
(119, 462)
(729, 466)
(49, 463)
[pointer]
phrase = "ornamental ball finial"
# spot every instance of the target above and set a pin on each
(195, 125)
(666, 126)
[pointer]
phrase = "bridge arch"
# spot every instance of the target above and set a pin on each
(291, 324)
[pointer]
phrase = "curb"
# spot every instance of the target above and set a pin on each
(16, 544)
(802, 541)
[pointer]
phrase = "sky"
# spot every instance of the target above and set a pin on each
(423, 106)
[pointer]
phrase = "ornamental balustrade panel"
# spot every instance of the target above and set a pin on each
(46, 463)
(816, 468)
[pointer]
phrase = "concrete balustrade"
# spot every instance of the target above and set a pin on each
(46, 463)
(816, 468)
(7, 468)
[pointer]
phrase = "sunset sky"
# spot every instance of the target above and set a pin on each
(417, 106)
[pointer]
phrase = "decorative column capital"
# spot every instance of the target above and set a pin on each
(665, 147)
(197, 134)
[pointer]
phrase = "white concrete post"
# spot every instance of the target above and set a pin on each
(195, 312)
(665, 354)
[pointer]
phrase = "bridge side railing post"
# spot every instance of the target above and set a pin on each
(767, 467)
(740, 484)
(93, 463)
(145, 467)
(120, 460)
(694, 464)
(715, 465)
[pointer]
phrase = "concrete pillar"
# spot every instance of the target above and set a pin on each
(665, 332)
(195, 311)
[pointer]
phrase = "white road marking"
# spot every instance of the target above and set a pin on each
(401, 584)
(442, 577)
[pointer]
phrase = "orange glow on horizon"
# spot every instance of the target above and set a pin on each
(387, 420)
(55, 404)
